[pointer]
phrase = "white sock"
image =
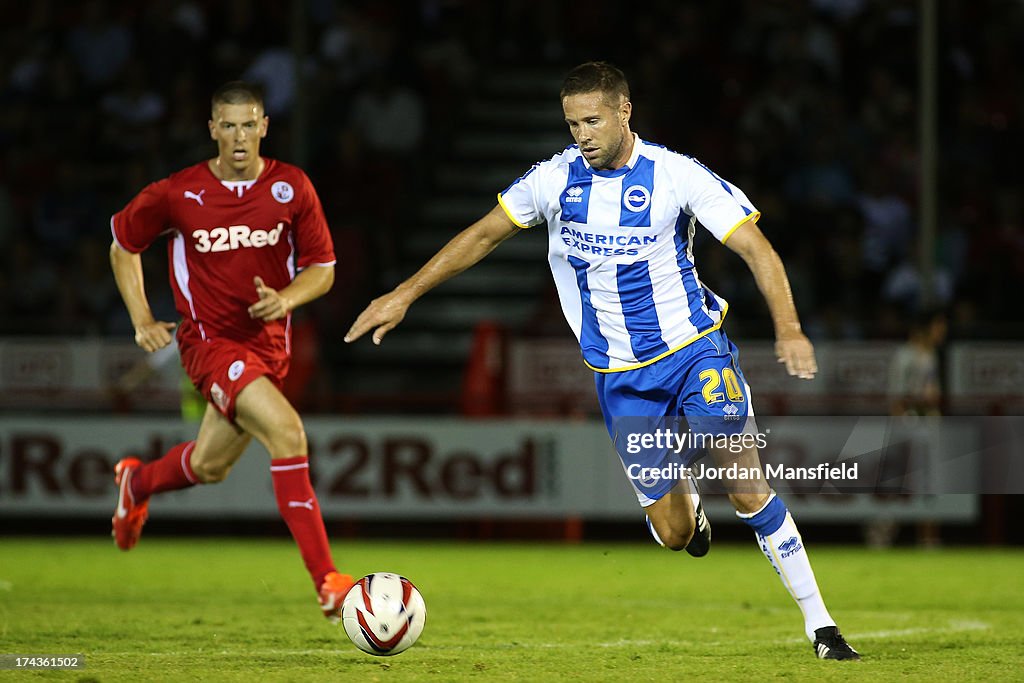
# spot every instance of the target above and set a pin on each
(780, 541)
(694, 496)
(650, 527)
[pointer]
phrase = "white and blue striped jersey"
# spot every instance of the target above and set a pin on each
(620, 248)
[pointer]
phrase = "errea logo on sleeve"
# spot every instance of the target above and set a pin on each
(235, 237)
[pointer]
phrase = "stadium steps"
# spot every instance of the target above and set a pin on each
(523, 251)
(497, 279)
(502, 145)
(456, 178)
(511, 123)
(542, 84)
(516, 112)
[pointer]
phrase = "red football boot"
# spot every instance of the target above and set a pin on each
(130, 515)
(332, 593)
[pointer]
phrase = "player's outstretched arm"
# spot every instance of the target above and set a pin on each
(791, 345)
(465, 249)
(311, 283)
(150, 334)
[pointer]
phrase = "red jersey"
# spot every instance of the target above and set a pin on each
(219, 241)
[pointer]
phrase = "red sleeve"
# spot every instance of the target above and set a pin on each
(145, 217)
(312, 236)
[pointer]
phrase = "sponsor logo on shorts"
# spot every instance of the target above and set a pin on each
(282, 191)
(647, 480)
(218, 396)
(235, 370)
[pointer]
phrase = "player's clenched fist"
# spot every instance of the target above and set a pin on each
(381, 316)
(154, 335)
(271, 306)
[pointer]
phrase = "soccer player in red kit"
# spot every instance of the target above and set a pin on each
(247, 244)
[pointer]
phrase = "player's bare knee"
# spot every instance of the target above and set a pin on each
(677, 542)
(210, 472)
(676, 536)
(288, 438)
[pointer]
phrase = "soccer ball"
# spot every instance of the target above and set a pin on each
(383, 614)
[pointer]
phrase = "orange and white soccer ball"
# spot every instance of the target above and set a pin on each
(383, 614)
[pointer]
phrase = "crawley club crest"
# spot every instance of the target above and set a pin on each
(282, 191)
(236, 370)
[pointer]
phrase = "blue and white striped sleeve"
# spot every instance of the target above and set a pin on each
(720, 206)
(520, 199)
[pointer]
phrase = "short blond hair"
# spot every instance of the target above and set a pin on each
(237, 92)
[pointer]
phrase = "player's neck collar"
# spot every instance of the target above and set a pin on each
(622, 170)
(218, 171)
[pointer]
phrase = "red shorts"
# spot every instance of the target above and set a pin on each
(221, 368)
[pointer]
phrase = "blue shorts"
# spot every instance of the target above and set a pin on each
(661, 417)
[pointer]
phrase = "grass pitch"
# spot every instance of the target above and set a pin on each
(233, 610)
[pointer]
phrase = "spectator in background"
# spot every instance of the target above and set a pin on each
(8, 218)
(823, 181)
(387, 120)
(914, 378)
(95, 295)
(915, 390)
(904, 285)
(274, 69)
(380, 145)
(61, 208)
(888, 227)
(183, 140)
(346, 46)
(795, 72)
(136, 102)
(36, 278)
(100, 46)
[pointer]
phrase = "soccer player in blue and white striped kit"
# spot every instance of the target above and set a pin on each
(621, 214)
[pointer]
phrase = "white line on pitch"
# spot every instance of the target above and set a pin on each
(954, 626)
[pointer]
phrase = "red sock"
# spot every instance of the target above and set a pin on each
(172, 471)
(301, 512)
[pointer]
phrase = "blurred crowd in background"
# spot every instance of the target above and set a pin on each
(808, 105)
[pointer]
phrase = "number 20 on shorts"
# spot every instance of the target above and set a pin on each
(712, 379)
